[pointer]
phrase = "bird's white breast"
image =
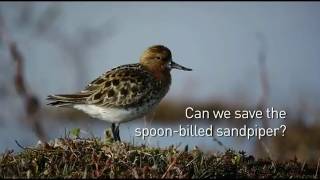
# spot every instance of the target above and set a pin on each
(114, 115)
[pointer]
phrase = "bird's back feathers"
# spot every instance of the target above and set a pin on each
(124, 87)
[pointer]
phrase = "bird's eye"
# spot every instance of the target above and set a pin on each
(158, 57)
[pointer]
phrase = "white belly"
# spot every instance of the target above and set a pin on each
(113, 115)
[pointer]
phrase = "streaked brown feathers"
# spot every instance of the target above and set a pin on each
(124, 86)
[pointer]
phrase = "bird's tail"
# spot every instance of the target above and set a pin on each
(65, 100)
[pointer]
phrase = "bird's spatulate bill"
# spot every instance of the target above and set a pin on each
(174, 65)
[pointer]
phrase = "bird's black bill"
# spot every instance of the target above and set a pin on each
(174, 65)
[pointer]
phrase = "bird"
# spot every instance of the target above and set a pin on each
(126, 92)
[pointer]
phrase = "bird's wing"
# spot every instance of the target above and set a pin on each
(124, 86)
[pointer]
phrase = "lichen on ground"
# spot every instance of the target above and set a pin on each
(93, 158)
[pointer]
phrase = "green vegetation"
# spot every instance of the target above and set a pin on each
(93, 157)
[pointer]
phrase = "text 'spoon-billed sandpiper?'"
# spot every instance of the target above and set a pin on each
(126, 92)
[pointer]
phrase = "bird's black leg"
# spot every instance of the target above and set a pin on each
(113, 129)
(117, 132)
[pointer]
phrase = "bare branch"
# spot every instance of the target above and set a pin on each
(262, 58)
(261, 146)
(25, 16)
(47, 19)
(18, 78)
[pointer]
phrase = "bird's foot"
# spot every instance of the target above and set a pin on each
(118, 134)
(115, 132)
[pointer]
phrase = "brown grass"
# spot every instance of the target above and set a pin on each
(93, 158)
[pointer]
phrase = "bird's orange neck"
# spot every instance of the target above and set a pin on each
(161, 73)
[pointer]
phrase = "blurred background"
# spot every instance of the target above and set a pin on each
(246, 55)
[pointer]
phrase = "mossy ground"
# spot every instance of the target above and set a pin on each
(92, 158)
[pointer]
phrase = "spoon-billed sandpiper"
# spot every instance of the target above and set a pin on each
(126, 92)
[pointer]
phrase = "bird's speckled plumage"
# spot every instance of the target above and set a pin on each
(126, 92)
(122, 87)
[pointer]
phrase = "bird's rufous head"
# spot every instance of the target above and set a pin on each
(158, 58)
